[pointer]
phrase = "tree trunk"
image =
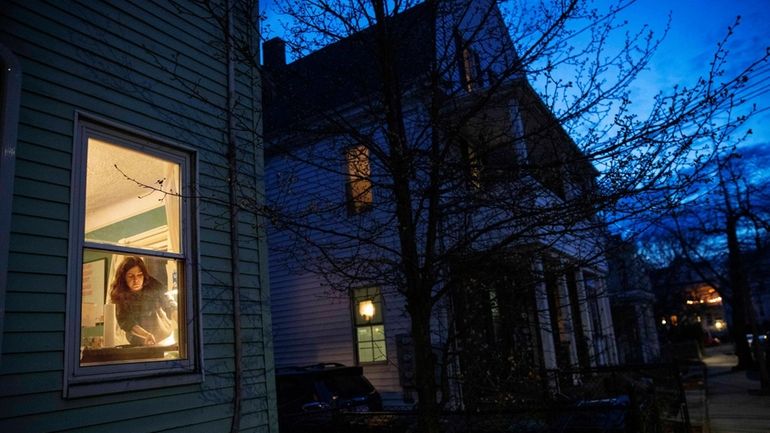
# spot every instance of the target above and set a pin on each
(418, 292)
(740, 295)
(743, 311)
(425, 368)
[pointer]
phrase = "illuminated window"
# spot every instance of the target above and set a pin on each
(471, 76)
(132, 294)
(470, 69)
(359, 179)
(370, 329)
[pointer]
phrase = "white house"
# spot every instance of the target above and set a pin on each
(525, 290)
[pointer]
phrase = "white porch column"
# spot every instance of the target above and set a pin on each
(544, 316)
(606, 315)
(585, 316)
(593, 305)
(566, 314)
(651, 346)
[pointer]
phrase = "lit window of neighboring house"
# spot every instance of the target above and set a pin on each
(471, 73)
(470, 65)
(370, 329)
(132, 289)
(359, 183)
(10, 86)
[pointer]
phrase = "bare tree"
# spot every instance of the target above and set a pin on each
(726, 216)
(452, 159)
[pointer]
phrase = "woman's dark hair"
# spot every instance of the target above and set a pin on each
(119, 289)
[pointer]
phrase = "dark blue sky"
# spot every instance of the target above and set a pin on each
(696, 28)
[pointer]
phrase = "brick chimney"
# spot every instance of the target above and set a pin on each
(274, 53)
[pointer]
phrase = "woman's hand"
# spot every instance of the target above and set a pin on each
(149, 339)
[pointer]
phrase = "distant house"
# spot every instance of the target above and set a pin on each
(109, 160)
(690, 294)
(632, 297)
(541, 305)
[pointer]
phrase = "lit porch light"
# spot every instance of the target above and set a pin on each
(719, 324)
(366, 309)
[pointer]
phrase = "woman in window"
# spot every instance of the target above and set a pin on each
(142, 307)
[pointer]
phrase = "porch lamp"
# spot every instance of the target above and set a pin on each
(366, 309)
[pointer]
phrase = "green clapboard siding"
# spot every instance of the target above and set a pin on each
(125, 62)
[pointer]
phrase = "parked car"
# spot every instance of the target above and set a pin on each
(609, 415)
(762, 339)
(311, 396)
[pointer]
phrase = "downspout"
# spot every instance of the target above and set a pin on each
(232, 180)
(10, 95)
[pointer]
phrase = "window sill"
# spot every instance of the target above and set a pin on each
(373, 363)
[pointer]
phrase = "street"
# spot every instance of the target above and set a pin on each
(731, 408)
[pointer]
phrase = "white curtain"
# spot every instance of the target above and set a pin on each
(173, 206)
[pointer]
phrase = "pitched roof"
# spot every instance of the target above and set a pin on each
(347, 71)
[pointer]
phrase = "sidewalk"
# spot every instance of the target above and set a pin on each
(731, 409)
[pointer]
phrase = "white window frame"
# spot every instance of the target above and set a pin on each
(354, 310)
(10, 94)
(110, 378)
